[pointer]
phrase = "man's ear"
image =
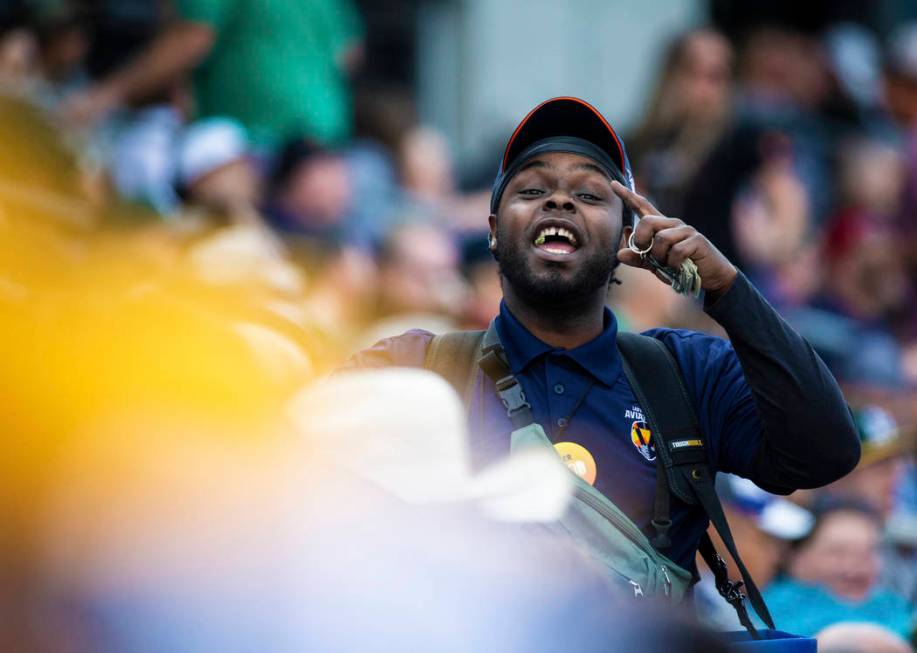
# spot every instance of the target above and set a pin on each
(492, 236)
(625, 236)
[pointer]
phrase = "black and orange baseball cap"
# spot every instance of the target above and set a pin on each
(563, 124)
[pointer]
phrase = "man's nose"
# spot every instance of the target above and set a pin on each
(559, 200)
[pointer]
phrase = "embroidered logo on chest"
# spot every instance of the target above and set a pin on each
(640, 434)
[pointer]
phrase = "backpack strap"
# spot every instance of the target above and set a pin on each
(496, 366)
(658, 385)
(454, 356)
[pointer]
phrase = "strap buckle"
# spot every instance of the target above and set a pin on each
(511, 395)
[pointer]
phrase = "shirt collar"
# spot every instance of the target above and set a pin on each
(599, 357)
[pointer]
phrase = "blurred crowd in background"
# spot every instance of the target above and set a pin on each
(171, 168)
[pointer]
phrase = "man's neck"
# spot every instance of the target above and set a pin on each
(567, 325)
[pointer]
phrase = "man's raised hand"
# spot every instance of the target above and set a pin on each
(671, 241)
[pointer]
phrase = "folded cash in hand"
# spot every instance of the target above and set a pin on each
(685, 280)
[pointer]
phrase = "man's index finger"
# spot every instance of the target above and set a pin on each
(633, 201)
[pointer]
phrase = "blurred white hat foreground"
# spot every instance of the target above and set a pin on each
(405, 430)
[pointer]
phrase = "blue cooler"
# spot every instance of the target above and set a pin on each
(772, 641)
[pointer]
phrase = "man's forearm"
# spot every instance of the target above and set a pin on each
(809, 436)
(172, 54)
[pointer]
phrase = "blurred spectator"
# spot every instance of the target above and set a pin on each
(311, 195)
(215, 169)
(278, 69)
(420, 285)
(18, 47)
(882, 463)
(865, 285)
(426, 165)
(834, 573)
(866, 275)
(136, 141)
(776, 149)
(860, 638)
(61, 30)
(685, 116)
(901, 99)
(856, 59)
(876, 481)
(221, 185)
(138, 149)
(771, 226)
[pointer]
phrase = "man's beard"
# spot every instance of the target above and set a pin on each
(554, 287)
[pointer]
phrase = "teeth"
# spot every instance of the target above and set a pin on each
(566, 234)
(555, 231)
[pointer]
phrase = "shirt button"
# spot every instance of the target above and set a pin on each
(562, 422)
(559, 388)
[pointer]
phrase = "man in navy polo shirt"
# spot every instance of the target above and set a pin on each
(562, 210)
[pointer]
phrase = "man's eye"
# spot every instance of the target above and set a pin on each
(589, 197)
(531, 191)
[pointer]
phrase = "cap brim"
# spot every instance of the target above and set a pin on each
(565, 116)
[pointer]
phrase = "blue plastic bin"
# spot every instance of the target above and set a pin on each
(772, 641)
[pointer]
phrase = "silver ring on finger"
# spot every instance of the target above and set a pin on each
(632, 245)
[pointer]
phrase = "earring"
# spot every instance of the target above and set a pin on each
(491, 241)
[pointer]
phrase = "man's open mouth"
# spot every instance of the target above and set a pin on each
(556, 240)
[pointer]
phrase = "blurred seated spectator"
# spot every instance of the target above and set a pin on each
(855, 353)
(310, 193)
(900, 95)
(866, 275)
(426, 165)
(276, 68)
(133, 142)
(901, 100)
(63, 40)
(687, 111)
(771, 226)
(420, 285)
(882, 461)
(429, 183)
(870, 177)
(783, 79)
(854, 637)
(18, 47)
(138, 149)
(221, 186)
(865, 281)
(854, 318)
(215, 169)
(834, 573)
(876, 481)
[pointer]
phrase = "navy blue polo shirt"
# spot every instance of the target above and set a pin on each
(811, 440)
(582, 396)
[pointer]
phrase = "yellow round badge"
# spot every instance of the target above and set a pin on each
(578, 459)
